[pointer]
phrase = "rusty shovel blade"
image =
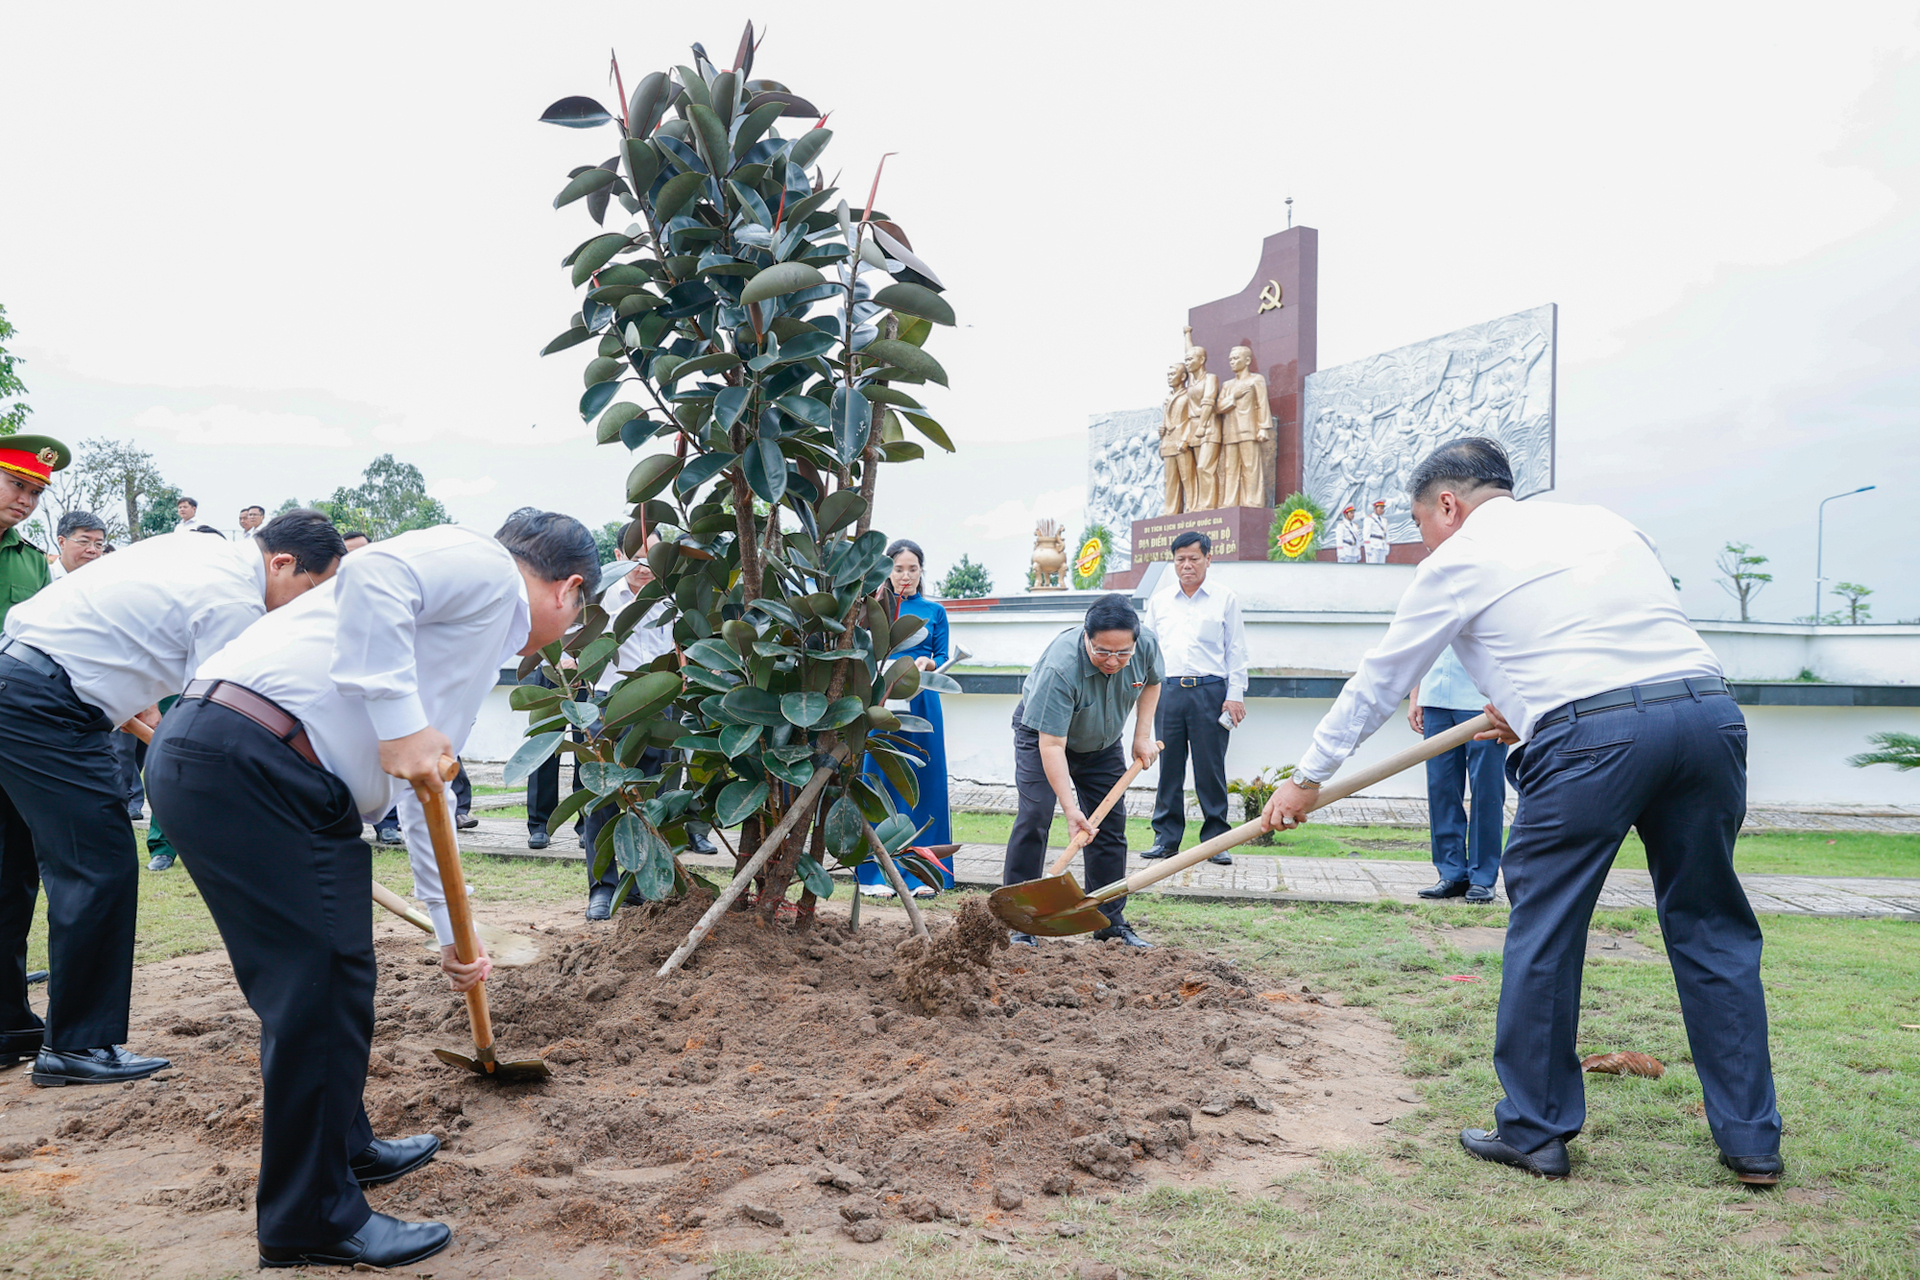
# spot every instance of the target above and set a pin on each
(491, 1067)
(1051, 907)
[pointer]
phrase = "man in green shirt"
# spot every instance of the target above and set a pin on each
(1066, 746)
(26, 465)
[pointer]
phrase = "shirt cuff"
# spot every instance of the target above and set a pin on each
(442, 923)
(396, 717)
(1236, 693)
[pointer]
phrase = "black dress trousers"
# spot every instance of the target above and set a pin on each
(65, 824)
(1187, 722)
(1677, 771)
(273, 844)
(1093, 774)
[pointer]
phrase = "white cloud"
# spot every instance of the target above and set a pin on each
(229, 424)
(450, 489)
(1015, 518)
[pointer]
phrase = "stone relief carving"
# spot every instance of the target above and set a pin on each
(1366, 424)
(1126, 476)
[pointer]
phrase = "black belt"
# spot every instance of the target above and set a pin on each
(1695, 687)
(263, 711)
(26, 655)
(1194, 682)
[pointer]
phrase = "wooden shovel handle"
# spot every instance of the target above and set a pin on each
(402, 908)
(1438, 745)
(1106, 806)
(139, 729)
(453, 882)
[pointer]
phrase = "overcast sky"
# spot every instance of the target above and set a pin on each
(272, 243)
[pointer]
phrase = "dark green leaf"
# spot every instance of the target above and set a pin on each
(641, 695)
(736, 738)
(758, 121)
(846, 828)
(712, 362)
(596, 398)
(591, 180)
(650, 98)
(675, 196)
(643, 163)
(852, 422)
(766, 470)
(807, 409)
(895, 830)
(935, 682)
(930, 429)
(754, 706)
(803, 709)
(844, 711)
(789, 103)
(737, 801)
(780, 278)
(711, 134)
(902, 451)
(532, 754)
(571, 338)
(702, 469)
(596, 253)
(573, 803)
(913, 724)
(891, 395)
(808, 146)
(650, 475)
(874, 803)
(839, 509)
(603, 369)
(576, 113)
(905, 355)
(728, 403)
(815, 877)
(616, 417)
(793, 772)
(723, 95)
(915, 300)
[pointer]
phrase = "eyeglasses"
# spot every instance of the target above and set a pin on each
(1122, 654)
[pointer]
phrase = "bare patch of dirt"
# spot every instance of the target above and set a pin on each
(839, 1084)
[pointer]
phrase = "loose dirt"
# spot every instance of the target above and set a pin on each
(835, 1086)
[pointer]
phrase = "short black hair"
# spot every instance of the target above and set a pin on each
(306, 535)
(1471, 463)
(554, 546)
(255, 507)
(207, 528)
(74, 521)
(189, 501)
(907, 544)
(1112, 612)
(1189, 538)
(347, 535)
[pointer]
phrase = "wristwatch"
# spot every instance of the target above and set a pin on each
(1299, 781)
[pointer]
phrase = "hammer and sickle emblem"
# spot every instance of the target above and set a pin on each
(1270, 297)
(48, 457)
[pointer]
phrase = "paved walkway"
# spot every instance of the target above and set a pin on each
(1266, 877)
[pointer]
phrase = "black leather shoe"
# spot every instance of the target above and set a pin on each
(465, 821)
(1480, 893)
(1022, 940)
(37, 977)
(1221, 859)
(383, 1162)
(1549, 1161)
(17, 1046)
(1160, 851)
(700, 844)
(1755, 1171)
(600, 902)
(1124, 934)
(537, 838)
(382, 1242)
(111, 1065)
(1446, 889)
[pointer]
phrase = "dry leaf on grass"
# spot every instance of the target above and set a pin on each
(1625, 1064)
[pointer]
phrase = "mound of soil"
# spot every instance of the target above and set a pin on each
(836, 1081)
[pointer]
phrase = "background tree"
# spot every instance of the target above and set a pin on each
(160, 512)
(1856, 611)
(1740, 575)
(607, 538)
(12, 416)
(965, 581)
(118, 482)
(772, 336)
(1901, 750)
(390, 498)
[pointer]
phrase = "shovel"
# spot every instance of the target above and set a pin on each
(508, 950)
(1058, 871)
(446, 851)
(1056, 906)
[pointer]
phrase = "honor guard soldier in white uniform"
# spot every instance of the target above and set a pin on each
(287, 739)
(1373, 533)
(88, 653)
(1346, 538)
(1565, 618)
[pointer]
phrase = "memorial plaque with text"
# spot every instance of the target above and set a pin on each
(1237, 533)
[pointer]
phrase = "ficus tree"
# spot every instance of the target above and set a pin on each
(756, 345)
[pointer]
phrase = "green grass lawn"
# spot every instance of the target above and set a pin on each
(1646, 1198)
(1838, 853)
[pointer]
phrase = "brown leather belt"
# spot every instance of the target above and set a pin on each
(262, 711)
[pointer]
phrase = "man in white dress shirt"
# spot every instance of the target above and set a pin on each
(88, 653)
(286, 739)
(190, 522)
(251, 518)
(1565, 618)
(1204, 643)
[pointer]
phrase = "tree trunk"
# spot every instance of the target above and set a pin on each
(133, 513)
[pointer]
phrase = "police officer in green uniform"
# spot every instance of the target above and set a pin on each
(27, 463)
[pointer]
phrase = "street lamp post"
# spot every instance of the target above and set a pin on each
(1820, 547)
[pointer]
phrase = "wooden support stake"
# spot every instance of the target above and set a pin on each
(895, 879)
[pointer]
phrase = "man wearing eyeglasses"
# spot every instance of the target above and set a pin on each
(81, 538)
(1066, 746)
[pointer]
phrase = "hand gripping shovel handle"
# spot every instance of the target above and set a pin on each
(446, 852)
(1106, 806)
(1438, 745)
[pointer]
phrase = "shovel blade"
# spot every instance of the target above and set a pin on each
(1021, 906)
(1084, 916)
(507, 1072)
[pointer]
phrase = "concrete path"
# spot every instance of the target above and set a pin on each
(1267, 877)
